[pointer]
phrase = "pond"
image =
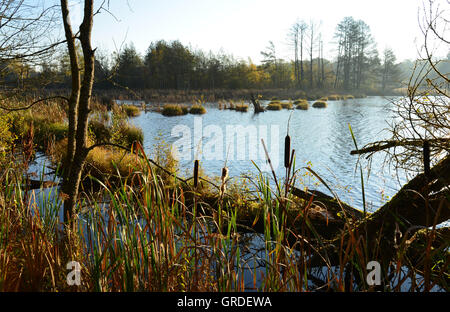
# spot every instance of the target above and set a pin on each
(320, 137)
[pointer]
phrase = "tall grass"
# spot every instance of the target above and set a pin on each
(146, 235)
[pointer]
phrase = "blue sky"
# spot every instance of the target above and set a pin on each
(244, 27)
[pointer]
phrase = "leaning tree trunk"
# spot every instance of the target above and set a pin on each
(422, 202)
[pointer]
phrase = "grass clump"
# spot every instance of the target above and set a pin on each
(334, 97)
(300, 101)
(197, 109)
(174, 110)
(302, 105)
(131, 110)
(274, 106)
(320, 104)
(286, 105)
(241, 108)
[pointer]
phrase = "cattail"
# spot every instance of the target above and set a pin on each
(224, 177)
(224, 173)
(287, 151)
(196, 173)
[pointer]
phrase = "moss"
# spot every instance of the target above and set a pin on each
(197, 110)
(174, 110)
(274, 106)
(320, 104)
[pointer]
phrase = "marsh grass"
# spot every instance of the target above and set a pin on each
(320, 104)
(144, 236)
(131, 110)
(274, 105)
(174, 110)
(197, 109)
(286, 105)
(150, 231)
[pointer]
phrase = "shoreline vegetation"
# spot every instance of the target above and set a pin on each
(125, 219)
(138, 189)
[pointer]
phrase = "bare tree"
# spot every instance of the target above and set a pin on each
(79, 104)
(296, 39)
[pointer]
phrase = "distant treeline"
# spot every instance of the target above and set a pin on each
(355, 68)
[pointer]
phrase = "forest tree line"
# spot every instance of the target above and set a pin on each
(356, 65)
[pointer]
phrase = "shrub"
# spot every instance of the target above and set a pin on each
(99, 131)
(6, 137)
(128, 134)
(286, 105)
(320, 104)
(348, 97)
(197, 109)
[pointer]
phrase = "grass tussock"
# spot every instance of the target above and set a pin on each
(286, 105)
(300, 101)
(174, 110)
(303, 105)
(334, 97)
(241, 108)
(274, 106)
(131, 110)
(197, 109)
(320, 104)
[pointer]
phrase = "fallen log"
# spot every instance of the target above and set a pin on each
(415, 206)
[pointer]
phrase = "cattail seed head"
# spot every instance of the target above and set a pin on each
(224, 173)
(196, 173)
(287, 151)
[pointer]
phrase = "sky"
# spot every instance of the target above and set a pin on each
(244, 28)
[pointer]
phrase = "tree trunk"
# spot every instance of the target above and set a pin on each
(73, 101)
(82, 112)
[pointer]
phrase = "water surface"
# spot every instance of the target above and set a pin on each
(321, 138)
